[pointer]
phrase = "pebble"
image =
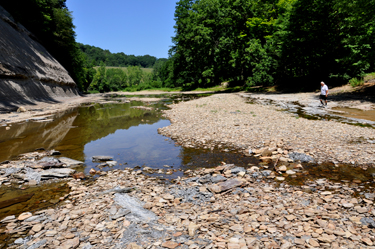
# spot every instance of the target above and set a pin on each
(24, 216)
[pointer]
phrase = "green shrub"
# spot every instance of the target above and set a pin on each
(354, 82)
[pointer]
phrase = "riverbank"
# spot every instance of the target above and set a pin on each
(227, 122)
(222, 207)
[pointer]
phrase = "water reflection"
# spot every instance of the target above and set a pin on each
(28, 136)
(120, 130)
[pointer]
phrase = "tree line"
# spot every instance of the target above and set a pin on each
(243, 42)
(96, 55)
(254, 42)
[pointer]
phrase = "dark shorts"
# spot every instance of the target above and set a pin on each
(323, 97)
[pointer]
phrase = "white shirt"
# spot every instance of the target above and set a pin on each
(323, 90)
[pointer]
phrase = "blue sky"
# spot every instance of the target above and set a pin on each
(137, 27)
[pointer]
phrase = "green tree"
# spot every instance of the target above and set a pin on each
(116, 78)
(134, 75)
(100, 82)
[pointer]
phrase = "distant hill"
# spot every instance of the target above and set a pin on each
(95, 55)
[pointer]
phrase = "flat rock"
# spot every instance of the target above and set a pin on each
(295, 156)
(218, 178)
(290, 172)
(237, 228)
(134, 246)
(360, 209)
(170, 244)
(227, 185)
(36, 228)
(314, 243)
(282, 168)
(8, 219)
(237, 170)
(326, 193)
(24, 216)
(57, 173)
(327, 238)
(121, 213)
(71, 163)
(70, 244)
(51, 233)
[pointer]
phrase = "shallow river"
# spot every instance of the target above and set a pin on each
(129, 135)
(115, 129)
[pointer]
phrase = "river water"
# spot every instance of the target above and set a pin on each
(119, 130)
(122, 131)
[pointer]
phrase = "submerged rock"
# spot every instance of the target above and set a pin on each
(102, 158)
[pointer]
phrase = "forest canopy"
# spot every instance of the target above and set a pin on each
(253, 42)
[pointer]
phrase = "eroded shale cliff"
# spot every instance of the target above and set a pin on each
(28, 73)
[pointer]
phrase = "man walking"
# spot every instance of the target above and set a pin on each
(323, 94)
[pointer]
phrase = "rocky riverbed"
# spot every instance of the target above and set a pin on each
(227, 122)
(222, 207)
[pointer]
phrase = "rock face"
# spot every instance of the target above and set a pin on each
(27, 71)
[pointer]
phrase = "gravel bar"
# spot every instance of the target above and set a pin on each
(227, 122)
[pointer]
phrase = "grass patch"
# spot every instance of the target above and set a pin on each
(219, 88)
(368, 77)
(125, 69)
(354, 82)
